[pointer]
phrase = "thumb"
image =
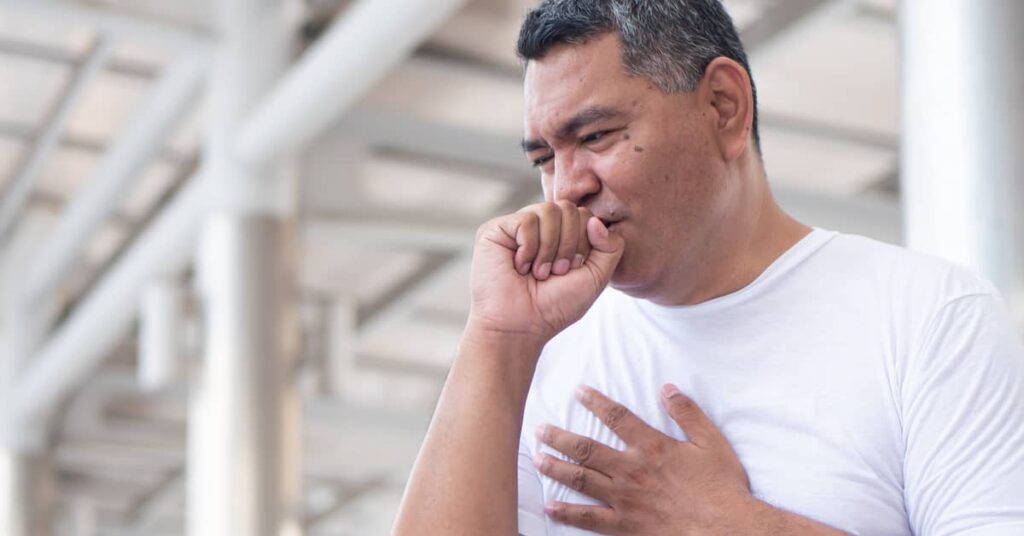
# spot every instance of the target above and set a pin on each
(607, 249)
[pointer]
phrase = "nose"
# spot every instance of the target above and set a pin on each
(574, 181)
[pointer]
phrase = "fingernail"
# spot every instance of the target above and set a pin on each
(583, 394)
(550, 508)
(525, 269)
(538, 461)
(668, 390)
(578, 261)
(561, 267)
(542, 432)
(544, 271)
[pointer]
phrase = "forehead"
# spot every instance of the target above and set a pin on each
(570, 78)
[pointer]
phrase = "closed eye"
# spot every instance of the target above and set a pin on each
(601, 135)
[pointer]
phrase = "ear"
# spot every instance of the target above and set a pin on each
(731, 97)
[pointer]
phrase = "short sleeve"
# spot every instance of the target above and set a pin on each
(531, 495)
(963, 423)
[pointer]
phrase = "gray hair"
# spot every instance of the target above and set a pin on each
(669, 42)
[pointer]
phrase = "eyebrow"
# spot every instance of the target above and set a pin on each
(572, 127)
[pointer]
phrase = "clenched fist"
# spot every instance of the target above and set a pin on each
(537, 271)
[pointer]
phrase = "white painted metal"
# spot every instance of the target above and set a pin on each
(243, 473)
(341, 346)
(23, 330)
(114, 23)
(963, 125)
(84, 517)
(25, 494)
(355, 53)
(21, 186)
(104, 317)
(389, 235)
(141, 140)
(404, 306)
(243, 415)
(161, 332)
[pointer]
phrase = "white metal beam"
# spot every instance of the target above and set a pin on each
(141, 140)
(21, 186)
(161, 332)
(104, 317)
(111, 22)
(371, 38)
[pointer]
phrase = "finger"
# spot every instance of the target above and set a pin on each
(617, 418)
(606, 252)
(593, 518)
(567, 240)
(577, 477)
(583, 450)
(698, 427)
(582, 243)
(527, 237)
(550, 232)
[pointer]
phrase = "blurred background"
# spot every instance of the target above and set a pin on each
(235, 234)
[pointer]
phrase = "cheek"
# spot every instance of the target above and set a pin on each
(545, 186)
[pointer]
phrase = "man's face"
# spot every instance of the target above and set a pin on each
(642, 161)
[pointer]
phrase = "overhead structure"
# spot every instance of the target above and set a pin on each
(121, 166)
(16, 196)
(356, 52)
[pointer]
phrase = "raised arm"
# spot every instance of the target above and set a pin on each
(534, 273)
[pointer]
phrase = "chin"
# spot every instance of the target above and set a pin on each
(629, 280)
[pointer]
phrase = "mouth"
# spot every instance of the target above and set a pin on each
(610, 224)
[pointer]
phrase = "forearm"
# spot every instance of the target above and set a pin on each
(464, 480)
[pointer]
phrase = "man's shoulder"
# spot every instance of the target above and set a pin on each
(901, 271)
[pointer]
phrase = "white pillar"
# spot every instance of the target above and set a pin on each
(244, 427)
(963, 129)
(161, 336)
(25, 493)
(25, 487)
(243, 466)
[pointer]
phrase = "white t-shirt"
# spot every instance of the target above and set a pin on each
(864, 386)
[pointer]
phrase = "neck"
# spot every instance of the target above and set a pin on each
(751, 234)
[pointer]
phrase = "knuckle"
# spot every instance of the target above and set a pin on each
(480, 231)
(583, 450)
(615, 416)
(550, 209)
(587, 519)
(579, 479)
(686, 407)
(565, 205)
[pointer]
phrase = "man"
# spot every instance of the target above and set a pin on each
(832, 383)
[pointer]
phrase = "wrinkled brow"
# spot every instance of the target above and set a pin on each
(571, 128)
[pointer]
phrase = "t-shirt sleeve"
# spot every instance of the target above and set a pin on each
(963, 423)
(531, 495)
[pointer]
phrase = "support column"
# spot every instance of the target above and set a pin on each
(243, 466)
(26, 484)
(963, 127)
(25, 492)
